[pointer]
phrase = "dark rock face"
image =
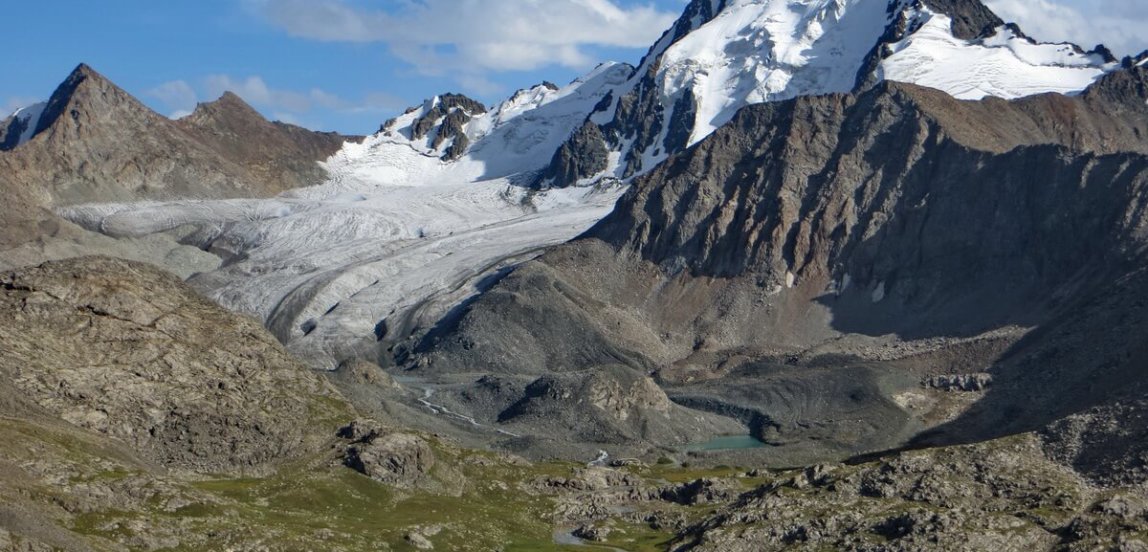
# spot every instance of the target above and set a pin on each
(453, 128)
(451, 101)
(971, 18)
(583, 154)
(638, 117)
(127, 351)
(10, 131)
(823, 222)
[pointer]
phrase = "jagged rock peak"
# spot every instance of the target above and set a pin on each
(433, 110)
(82, 77)
(95, 142)
(229, 105)
(971, 18)
(30, 121)
(441, 121)
(450, 101)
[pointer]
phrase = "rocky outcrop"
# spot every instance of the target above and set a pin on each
(443, 106)
(445, 121)
(558, 413)
(617, 405)
(583, 154)
(960, 383)
(131, 353)
(1002, 495)
(399, 459)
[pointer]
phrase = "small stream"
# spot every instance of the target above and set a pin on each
(445, 412)
(565, 537)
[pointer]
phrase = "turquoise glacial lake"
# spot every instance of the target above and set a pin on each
(727, 442)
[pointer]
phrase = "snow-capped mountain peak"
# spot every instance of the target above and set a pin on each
(754, 52)
(454, 139)
(721, 55)
(725, 54)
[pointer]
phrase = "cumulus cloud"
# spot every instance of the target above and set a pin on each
(1117, 24)
(180, 97)
(468, 39)
(255, 90)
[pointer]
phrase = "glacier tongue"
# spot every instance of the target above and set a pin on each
(326, 272)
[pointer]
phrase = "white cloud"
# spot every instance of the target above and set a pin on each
(255, 90)
(177, 95)
(1117, 24)
(468, 39)
(12, 104)
(180, 98)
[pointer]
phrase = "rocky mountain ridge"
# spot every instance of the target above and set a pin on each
(94, 142)
(801, 242)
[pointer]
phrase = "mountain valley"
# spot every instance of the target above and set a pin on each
(813, 274)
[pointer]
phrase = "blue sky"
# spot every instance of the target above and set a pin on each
(347, 65)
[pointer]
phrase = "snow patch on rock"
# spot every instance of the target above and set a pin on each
(1004, 65)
